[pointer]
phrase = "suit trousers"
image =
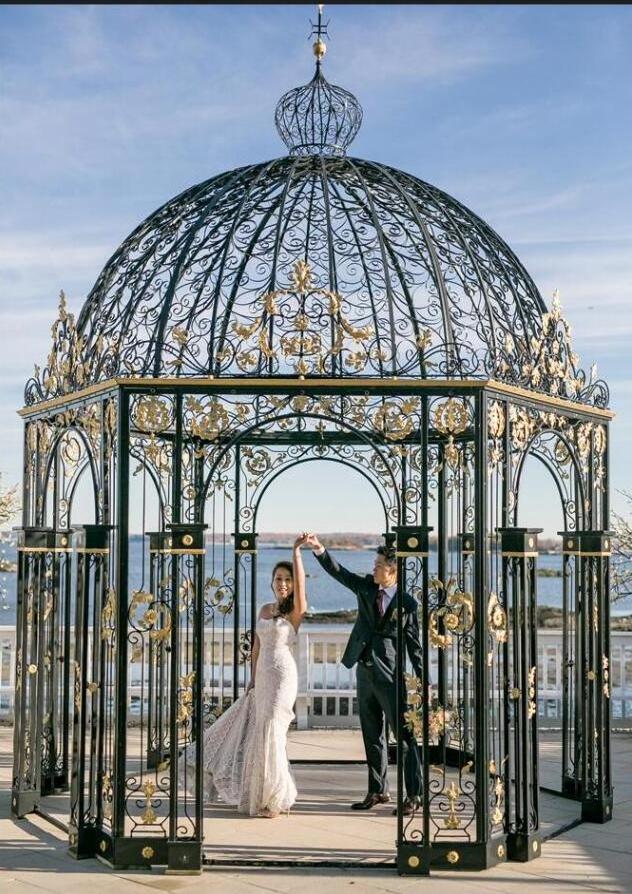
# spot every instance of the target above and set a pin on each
(377, 703)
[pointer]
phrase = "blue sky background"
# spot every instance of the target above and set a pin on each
(521, 112)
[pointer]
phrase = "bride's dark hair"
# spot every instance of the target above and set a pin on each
(284, 606)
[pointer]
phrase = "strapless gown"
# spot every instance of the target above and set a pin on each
(245, 750)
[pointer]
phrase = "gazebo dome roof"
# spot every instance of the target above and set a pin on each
(423, 286)
(320, 264)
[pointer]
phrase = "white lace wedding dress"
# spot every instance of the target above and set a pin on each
(245, 750)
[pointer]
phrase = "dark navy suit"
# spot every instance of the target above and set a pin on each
(373, 646)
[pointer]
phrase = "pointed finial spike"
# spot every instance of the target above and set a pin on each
(319, 30)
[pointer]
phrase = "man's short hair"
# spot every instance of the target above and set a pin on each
(390, 556)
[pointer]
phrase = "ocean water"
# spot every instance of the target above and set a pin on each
(323, 593)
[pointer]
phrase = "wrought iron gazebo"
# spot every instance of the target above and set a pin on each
(316, 306)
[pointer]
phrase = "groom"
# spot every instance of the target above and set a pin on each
(373, 646)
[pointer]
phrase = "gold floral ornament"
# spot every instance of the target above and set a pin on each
(149, 816)
(452, 821)
(531, 707)
(151, 414)
(548, 362)
(496, 420)
(72, 363)
(295, 323)
(496, 618)
(217, 596)
(499, 794)
(522, 426)
(108, 617)
(185, 698)
(456, 613)
(107, 795)
(394, 421)
(207, 421)
(451, 417)
(157, 453)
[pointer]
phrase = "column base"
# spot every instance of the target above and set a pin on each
(184, 857)
(572, 788)
(413, 860)
(24, 802)
(130, 853)
(523, 847)
(453, 857)
(82, 843)
(597, 810)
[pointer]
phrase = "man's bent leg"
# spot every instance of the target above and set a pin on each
(412, 763)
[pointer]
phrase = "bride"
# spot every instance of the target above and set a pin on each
(245, 750)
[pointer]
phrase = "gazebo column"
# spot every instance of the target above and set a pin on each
(467, 586)
(41, 721)
(572, 685)
(185, 727)
(157, 670)
(591, 552)
(245, 591)
(88, 794)
(413, 833)
(519, 547)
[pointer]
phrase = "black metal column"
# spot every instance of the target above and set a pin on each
(86, 790)
(39, 726)
(592, 550)
(186, 823)
(519, 578)
(413, 832)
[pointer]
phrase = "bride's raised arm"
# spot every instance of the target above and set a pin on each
(300, 597)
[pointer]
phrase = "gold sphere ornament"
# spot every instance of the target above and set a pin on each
(452, 857)
(187, 540)
(414, 862)
(320, 48)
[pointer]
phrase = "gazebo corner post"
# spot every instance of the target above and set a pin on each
(245, 550)
(413, 834)
(484, 843)
(25, 783)
(593, 550)
(186, 552)
(572, 689)
(157, 661)
(113, 850)
(87, 792)
(519, 550)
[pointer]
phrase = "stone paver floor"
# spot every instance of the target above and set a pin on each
(587, 857)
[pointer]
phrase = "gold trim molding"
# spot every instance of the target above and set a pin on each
(246, 384)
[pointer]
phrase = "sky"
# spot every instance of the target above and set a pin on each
(521, 112)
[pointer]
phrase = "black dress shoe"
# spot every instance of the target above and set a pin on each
(410, 806)
(371, 800)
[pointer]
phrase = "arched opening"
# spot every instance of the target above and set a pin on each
(547, 498)
(325, 744)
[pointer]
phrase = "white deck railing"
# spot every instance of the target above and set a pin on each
(326, 689)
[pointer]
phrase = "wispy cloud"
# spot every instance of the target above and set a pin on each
(519, 112)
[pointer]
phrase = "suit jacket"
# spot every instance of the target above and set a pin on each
(374, 639)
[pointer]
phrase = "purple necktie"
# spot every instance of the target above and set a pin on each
(380, 602)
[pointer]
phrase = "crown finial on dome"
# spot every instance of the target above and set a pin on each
(318, 118)
(319, 30)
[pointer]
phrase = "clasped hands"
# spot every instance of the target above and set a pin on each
(307, 539)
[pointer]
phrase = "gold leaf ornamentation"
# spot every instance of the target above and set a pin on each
(450, 417)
